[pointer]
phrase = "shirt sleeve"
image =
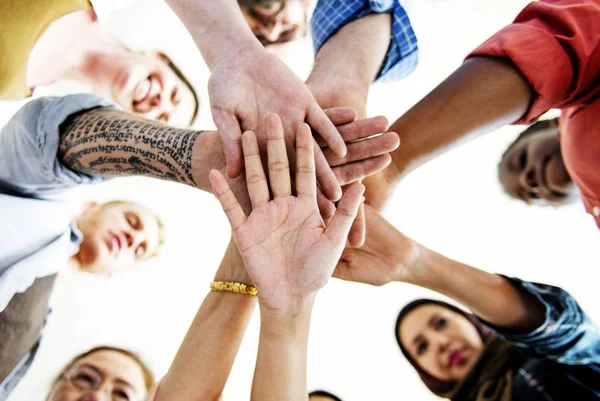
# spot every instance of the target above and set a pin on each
(555, 44)
(402, 55)
(567, 335)
(29, 165)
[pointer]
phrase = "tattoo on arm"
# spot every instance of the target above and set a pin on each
(110, 143)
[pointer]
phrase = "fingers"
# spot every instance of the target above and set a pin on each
(364, 128)
(341, 115)
(365, 149)
(258, 188)
(231, 136)
(351, 172)
(358, 231)
(326, 207)
(326, 177)
(279, 168)
(346, 212)
(360, 129)
(306, 183)
(319, 121)
(229, 202)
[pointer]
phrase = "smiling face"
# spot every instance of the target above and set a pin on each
(442, 342)
(149, 84)
(116, 236)
(276, 21)
(532, 169)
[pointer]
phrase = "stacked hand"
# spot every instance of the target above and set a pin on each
(263, 85)
(364, 156)
(288, 250)
(387, 255)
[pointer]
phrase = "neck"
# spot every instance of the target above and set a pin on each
(84, 49)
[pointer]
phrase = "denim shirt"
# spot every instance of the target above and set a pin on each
(564, 351)
(37, 235)
(402, 55)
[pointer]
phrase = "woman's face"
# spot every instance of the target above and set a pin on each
(146, 84)
(102, 376)
(533, 169)
(442, 342)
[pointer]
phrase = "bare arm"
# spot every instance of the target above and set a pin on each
(481, 96)
(203, 363)
(217, 27)
(349, 61)
(280, 372)
(112, 143)
(388, 255)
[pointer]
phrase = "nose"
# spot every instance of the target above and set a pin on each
(271, 30)
(133, 238)
(528, 179)
(440, 340)
(98, 395)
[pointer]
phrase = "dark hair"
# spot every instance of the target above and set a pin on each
(532, 129)
(437, 386)
(146, 372)
(323, 393)
(187, 83)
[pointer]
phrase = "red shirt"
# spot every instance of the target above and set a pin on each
(556, 46)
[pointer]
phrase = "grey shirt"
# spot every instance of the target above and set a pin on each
(37, 235)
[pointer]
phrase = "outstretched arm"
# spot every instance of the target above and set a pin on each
(202, 365)
(247, 83)
(540, 61)
(545, 320)
(288, 251)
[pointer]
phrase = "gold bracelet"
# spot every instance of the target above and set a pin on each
(232, 286)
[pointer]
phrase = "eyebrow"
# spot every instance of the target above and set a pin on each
(429, 323)
(118, 380)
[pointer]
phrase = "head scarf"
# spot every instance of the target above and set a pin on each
(489, 380)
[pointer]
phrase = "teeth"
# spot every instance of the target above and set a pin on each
(142, 90)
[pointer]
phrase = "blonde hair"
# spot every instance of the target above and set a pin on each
(146, 372)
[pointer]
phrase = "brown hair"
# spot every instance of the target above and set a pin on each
(187, 83)
(146, 372)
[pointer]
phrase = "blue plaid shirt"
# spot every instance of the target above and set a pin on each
(402, 55)
(569, 338)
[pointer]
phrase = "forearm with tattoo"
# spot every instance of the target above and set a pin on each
(108, 142)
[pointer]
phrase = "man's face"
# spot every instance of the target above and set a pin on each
(116, 236)
(533, 170)
(276, 21)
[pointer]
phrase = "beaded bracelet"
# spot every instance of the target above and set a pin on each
(231, 286)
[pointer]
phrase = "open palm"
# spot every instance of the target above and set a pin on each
(288, 251)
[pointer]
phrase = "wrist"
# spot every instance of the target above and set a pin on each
(288, 323)
(421, 267)
(207, 155)
(337, 91)
(289, 312)
(233, 52)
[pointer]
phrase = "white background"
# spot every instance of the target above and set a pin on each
(453, 205)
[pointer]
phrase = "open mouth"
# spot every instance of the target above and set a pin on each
(115, 243)
(553, 193)
(142, 92)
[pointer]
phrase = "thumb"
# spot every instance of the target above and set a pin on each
(344, 216)
(231, 136)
